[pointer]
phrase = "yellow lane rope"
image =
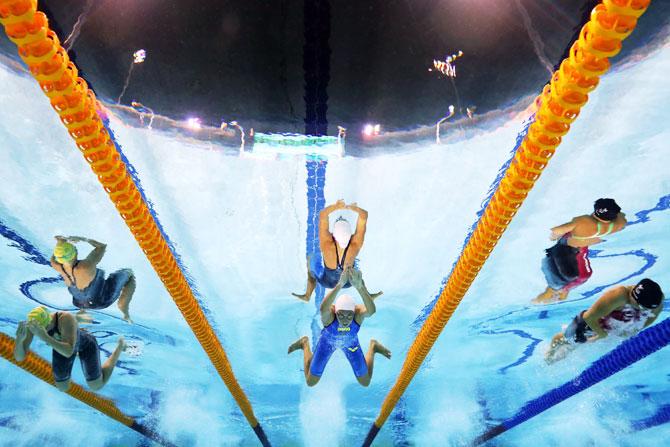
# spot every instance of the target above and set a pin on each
(558, 106)
(41, 369)
(39, 47)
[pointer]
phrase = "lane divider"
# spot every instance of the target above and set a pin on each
(40, 368)
(78, 109)
(630, 351)
(558, 106)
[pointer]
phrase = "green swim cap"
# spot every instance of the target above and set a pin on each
(41, 315)
(65, 252)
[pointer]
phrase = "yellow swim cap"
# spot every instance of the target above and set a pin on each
(41, 315)
(64, 252)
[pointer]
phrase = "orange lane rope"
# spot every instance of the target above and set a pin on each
(41, 369)
(77, 107)
(558, 106)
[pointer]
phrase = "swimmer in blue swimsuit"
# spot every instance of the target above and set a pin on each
(86, 283)
(61, 331)
(341, 319)
(338, 249)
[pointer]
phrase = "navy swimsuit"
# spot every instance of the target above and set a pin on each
(89, 356)
(328, 277)
(101, 292)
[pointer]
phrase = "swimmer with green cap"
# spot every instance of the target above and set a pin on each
(61, 331)
(87, 283)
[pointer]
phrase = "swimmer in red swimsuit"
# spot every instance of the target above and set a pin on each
(567, 265)
(622, 311)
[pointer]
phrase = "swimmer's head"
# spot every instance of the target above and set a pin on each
(647, 293)
(606, 209)
(344, 309)
(41, 315)
(342, 232)
(65, 252)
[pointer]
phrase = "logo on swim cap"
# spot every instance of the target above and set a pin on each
(648, 294)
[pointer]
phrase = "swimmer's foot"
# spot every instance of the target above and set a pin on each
(546, 297)
(302, 297)
(376, 295)
(121, 344)
(380, 349)
(83, 317)
(298, 344)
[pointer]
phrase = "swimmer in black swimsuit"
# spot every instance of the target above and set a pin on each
(87, 283)
(339, 249)
(61, 331)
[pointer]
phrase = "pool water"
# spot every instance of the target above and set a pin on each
(239, 224)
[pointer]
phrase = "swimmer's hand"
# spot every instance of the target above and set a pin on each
(355, 277)
(344, 277)
(21, 332)
(302, 297)
(38, 330)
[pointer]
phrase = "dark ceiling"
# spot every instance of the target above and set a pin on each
(243, 59)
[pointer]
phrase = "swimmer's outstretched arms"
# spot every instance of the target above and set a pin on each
(342, 319)
(338, 249)
(87, 283)
(61, 331)
(623, 310)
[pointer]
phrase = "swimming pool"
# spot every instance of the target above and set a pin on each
(238, 225)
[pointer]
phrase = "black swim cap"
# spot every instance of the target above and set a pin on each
(606, 209)
(648, 294)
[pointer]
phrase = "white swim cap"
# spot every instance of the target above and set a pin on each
(342, 232)
(344, 302)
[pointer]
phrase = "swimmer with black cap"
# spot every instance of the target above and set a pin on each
(567, 264)
(339, 249)
(621, 311)
(341, 319)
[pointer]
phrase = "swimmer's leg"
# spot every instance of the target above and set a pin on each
(83, 317)
(311, 284)
(125, 297)
(108, 366)
(363, 291)
(375, 348)
(63, 386)
(303, 343)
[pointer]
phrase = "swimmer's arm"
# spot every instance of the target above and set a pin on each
(361, 224)
(369, 308)
(324, 233)
(327, 316)
(23, 340)
(560, 230)
(611, 300)
(656, 312)
(98, 252)
(621, 221)
(54, 264)
(68, 330)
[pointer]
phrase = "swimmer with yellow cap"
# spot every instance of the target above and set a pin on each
(87, 283)
(61, 331)
(342, 319)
